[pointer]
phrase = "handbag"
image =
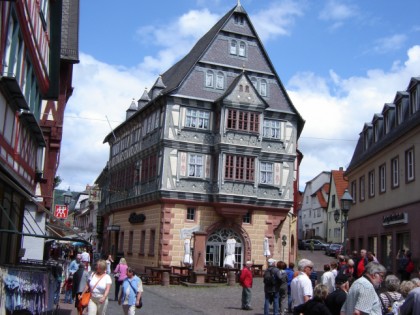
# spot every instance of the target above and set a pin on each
(86, 295)
(117, 274)
(85, 298)
(140, 305)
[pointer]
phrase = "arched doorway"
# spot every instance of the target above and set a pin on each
(216, 245)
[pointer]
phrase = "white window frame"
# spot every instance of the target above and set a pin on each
(362, 188)
(395, 171)
(371, 183)
(233, 47)
(409, 164)
(197, 118)
(266, 172)
(242, 49)
(263, 88)
(271, 129)
(220, 81)
(209, 78)
(195, 165)
(382, 178)
(191, 211)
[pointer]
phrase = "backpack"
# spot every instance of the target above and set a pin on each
(270, 279)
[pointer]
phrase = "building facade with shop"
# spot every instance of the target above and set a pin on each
(383, 180)
(212, 147)
(38, 48)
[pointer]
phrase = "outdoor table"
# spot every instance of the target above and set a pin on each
(158, 271)
(181, 270)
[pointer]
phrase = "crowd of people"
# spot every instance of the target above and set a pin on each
(79, 278)
(356, 284)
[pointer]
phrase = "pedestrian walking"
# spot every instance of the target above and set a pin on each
(68, 287)
(405, 288)
(245, 280)
(362, 297)
(391, 294)
(316, 305)
(130, 293)
(290, 275)
(85, 259)
(328, 278)
(271, 290)
(80, 279)
(99, 285)
(301, 286)
(282, 275)
(120, 273)
(109, 262)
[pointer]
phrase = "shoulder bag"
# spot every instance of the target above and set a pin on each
(117, 274)
(86, 295)
(140, 305)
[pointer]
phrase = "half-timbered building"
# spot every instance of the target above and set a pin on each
(38, 47)
(211, 147)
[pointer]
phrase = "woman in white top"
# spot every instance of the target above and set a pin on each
(109, 261)
(99, 285)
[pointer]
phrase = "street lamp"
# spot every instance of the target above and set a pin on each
(346, 201)
(67, 197)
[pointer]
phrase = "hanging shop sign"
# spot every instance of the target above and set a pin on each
(136, 218)
(395, 218)
(61, 211)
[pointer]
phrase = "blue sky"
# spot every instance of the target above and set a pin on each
(340, 61)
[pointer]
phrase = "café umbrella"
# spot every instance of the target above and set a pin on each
(229, 261)
(187, 253)
(266, 248)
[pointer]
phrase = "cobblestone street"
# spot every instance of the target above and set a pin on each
(218, 299)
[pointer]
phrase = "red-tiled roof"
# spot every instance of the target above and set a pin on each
(341, 182)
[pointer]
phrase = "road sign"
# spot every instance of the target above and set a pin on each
(61, 211)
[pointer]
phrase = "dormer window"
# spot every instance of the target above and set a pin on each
(209, 78)
(387, 122)
(263, 88)
(242, 49)
(254, 83)
(220, 80)
(414, 103)
(239, 20)
(400, 113)
(376, 132)
(233, 45)
(366, 139)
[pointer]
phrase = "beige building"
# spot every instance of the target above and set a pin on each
(382, 177)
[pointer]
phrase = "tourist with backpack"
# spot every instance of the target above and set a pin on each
(271, 288)
(301, 286)
(282, 284)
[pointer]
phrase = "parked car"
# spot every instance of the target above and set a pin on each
(318, 245)
(332, 249)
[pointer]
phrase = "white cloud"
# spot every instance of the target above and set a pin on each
(387, 44)
(277, 19)
(174, 44)
(337, 11)
(334, 120)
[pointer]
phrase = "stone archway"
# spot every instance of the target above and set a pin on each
(218, 234)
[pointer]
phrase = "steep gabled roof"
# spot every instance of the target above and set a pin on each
(341, 182)
(235, 82)
(179, 71)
